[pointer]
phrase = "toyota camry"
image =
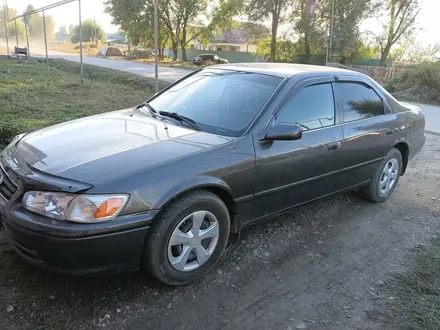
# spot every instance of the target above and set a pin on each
(168, 184)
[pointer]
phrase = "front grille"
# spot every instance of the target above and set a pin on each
(7, 186)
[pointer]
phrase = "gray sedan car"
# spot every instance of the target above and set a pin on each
(167, 184)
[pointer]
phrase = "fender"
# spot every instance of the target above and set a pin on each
(197, 182)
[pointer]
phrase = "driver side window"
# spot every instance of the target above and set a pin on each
(313, 107)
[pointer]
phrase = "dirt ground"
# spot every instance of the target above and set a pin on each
(323, 266)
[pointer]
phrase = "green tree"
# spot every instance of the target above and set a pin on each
(309, 19)
(18, 30)
(180, 21)
(401, 18)
(347, 16)
(11, 12)
(276, 10)
(136, 20)
(88, 28)
(36, 27)
(285, 52)
(410, 50)
(221, 18)
(365, 50)
(255, 32)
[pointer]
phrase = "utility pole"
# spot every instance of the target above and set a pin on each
(156, 48)
(5, 14)
(81, 42)
(329, 48)
(94, 27)
(27, 40)
(45, 39)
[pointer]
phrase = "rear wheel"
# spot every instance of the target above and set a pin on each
(386, 178)
(187, 239)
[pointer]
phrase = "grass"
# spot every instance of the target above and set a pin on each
(31, 97)
(416, 303)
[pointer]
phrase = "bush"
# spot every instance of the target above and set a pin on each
(419, 84)
(8, 129)
(139, 54)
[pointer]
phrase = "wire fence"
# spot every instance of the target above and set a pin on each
(381, 74)
(32, 34)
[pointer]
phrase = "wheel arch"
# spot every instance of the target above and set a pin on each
(404, 151)
(211, 184)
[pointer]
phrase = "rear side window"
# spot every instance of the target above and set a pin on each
(312, 108)
(359, 101)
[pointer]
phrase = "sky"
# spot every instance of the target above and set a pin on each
(68, 14)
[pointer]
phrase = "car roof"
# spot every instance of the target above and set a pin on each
(285, 70)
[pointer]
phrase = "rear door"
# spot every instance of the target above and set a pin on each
(369, 128)
(289, 173)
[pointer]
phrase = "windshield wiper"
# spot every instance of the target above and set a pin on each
(152, 111)
(181, 118)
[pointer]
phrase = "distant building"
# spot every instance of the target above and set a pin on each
(61, 37)
(234, 40)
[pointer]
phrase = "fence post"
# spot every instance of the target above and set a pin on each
(16, 32)
(28, 52)
(45, 39)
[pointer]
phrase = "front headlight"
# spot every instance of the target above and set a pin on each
(76, 208)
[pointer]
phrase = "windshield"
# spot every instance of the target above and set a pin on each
(220, 101)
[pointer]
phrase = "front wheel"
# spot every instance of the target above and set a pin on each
(385, 179)
(187, 239)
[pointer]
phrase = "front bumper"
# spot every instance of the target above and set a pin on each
(62, 246)
(77, 250)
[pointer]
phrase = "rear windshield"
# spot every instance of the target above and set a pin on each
(222, 102)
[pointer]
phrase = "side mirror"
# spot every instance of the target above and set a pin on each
(284, 132)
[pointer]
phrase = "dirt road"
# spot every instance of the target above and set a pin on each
(143, 69)
(322, 266)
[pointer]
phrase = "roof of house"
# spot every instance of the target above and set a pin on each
(233, 36)
(284, 70)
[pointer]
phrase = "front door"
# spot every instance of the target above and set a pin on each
(289, 173)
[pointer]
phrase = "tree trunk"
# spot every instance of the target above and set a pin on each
(273, 42)
(174, 45)
(384, 55)
(183, 43)
(307, 43)
(183, 48)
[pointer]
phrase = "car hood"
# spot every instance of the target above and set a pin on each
(102, 147)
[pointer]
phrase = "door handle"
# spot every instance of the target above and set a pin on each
(333, 146)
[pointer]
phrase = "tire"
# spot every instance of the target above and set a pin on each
(159, 252)
(374, 191)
